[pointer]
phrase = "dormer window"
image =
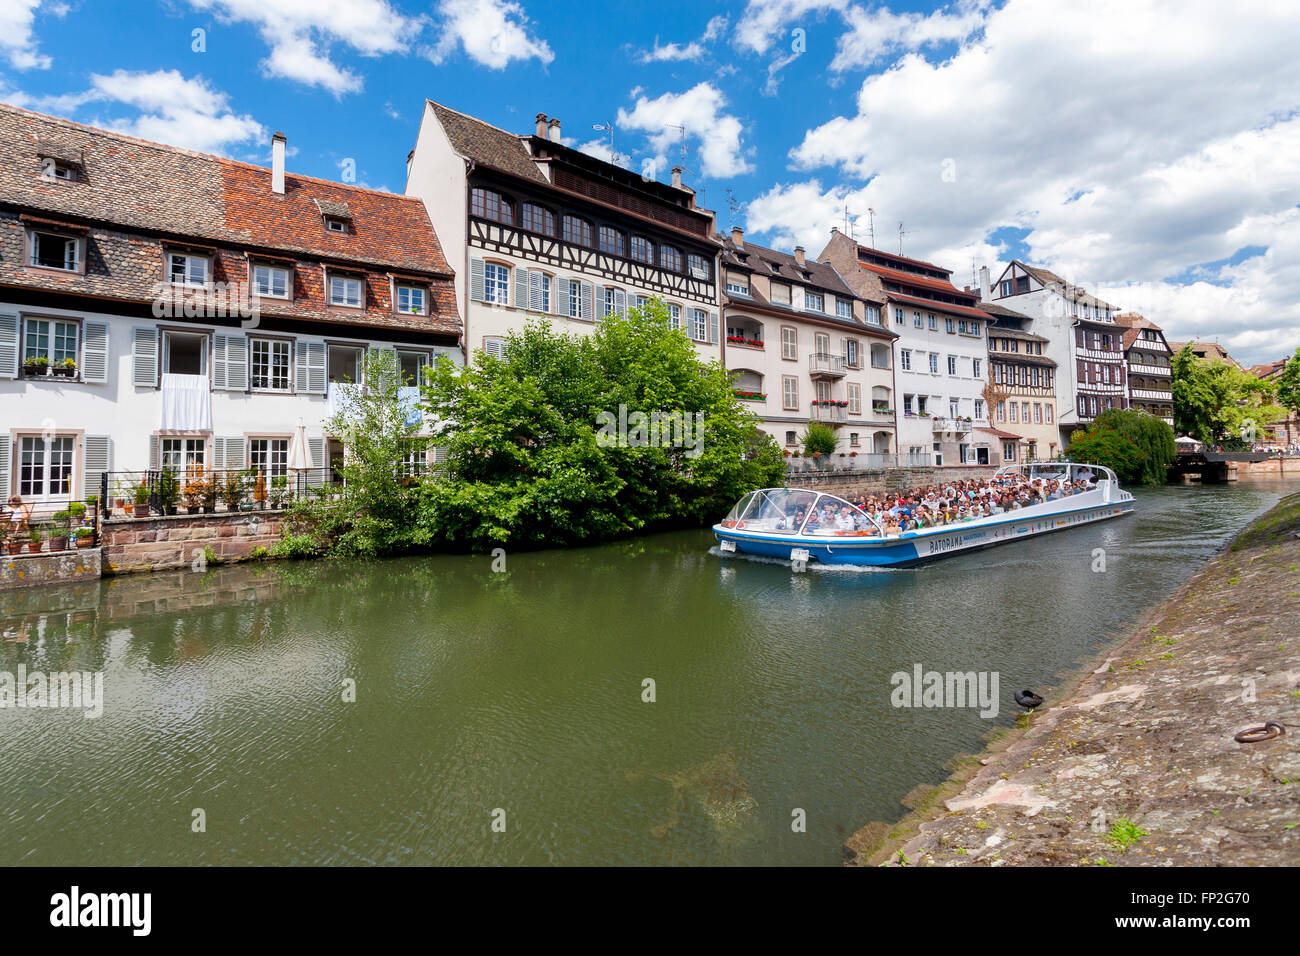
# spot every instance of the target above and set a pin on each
(336, 215)
(699, 267)
(186, 269)
(411, 300)
(346, 291)
(53, 251)
(271, 281)
(54, 169)
(334, 224)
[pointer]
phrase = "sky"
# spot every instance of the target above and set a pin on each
(1148, 150)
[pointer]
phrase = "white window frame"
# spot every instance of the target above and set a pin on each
(496, 283)
(790, 392)
(19, 483)
(699, 325)
(187, 277)
(264, 451)
(274, 349)
(905, 359)
(346, 282)
(271, 272)
(50, 337)
(192, 450)
(33, 249)
(409, 293)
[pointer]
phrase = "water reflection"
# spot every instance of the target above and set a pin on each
(522, 691)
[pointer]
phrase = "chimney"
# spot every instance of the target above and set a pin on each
(677, 177)
(799, 256)
(278, 142)
(554, 130)
(985, 290)
(541, 125)
(738, 237)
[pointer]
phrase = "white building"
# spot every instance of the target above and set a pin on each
(940, 354)
(165, 307)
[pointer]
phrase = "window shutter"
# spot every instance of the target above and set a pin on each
(155, 453)
(8, 348)
(96, 458)
(598, 300)
(562, 296)
(713, 328)
(585, 308)
(534, 291)
(228, 453)
(5, 448)
(94, 352)
(144, 357)
(310, 358)
(520, 279)
(494, 347)
(316, 477)
(620, 303)
(476, 280)
(229, 362)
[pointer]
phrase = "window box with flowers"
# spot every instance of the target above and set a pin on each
(744, 340)
(832, 402)
(749, 396)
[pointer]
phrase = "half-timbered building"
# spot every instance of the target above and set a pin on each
(1150, 372)
(535, 228)
(1022, 388)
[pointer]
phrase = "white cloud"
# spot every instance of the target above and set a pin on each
(765, 20)
(701, 111)
(16, 39)
(301, 32)
(695, 50)
(1131, 142)
(172, 109)
(492, 32)
(600, 149)
(874, 34)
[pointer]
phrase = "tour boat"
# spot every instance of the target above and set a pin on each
(769, 522)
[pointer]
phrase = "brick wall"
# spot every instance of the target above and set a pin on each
(61, 567)
(174, 542)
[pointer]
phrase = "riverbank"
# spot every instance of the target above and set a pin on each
(1133, 762)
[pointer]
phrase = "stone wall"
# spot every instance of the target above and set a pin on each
(175, 542)
(59, 567)
(885, 480)
(1274, 467)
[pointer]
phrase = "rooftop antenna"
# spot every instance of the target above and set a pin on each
(901, 233)
(614, 157)
(871, 225)
(734, 206)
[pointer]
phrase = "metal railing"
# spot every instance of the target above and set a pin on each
(194, 491)
(49, 526)
(833, 413)
(823, 363)
(854, 462)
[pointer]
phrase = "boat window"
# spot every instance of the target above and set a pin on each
(771, 509)
(832, 516)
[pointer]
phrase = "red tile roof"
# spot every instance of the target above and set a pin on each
(934, 306)
(897, 275)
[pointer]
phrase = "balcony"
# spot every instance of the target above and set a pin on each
(957, 425)
(825, 365)
(1159, 395)
(882, 414)
(1164, 371)
(831, 411)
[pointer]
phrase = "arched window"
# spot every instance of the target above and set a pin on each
(538, 219)
(577, 231)
(670, 258)
(643, 250)
(488, 204)
(611, 241)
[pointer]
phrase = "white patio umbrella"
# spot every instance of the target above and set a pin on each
(299, 451)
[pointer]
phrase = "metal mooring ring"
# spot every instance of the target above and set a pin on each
(1255, 734)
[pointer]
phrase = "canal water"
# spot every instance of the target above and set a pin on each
(518, 697)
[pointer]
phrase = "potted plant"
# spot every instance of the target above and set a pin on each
(76, 513)
(59, 531)
(36, 365)
(259, 490)
(140, 499)
(193, 489)
(279, 491)
(208, 491)
(232, 490)
(67, 368)
(4, 538)
(83, 537)
(34, 540)
(92, 507)
(169, 491)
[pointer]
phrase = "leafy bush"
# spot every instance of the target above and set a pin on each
(819, 439)
(1105, 446)
(1153, 438)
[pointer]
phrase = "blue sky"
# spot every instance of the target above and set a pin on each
(1145, 149)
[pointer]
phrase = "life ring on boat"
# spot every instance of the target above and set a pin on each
(1256, 734)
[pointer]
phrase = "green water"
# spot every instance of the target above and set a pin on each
(523, 691)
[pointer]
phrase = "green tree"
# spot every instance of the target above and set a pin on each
(545, 444)
(1152, 437)
(375, 510)
(820, 438)
(1106, 446)
(1288, 385)
(1216, 402)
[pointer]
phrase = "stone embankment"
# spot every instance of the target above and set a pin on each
(1136, 764)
